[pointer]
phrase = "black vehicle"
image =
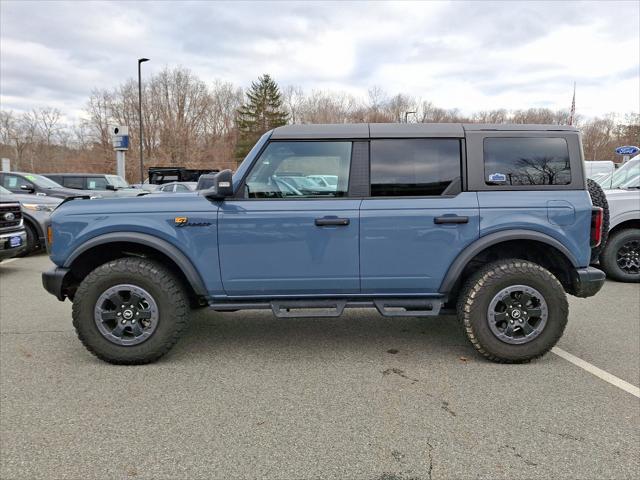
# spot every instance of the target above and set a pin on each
(19, 182)
(162, 175)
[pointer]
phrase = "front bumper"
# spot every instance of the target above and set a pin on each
(587, 281)
(6, 250)
(53, 282)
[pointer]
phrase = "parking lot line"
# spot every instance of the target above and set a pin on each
(4, 262)
(592, 369)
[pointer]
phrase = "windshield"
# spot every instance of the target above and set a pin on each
(42, 182)
(117, 181)
(626, 173)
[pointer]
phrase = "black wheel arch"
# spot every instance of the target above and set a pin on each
(110, 246)
(559, 260)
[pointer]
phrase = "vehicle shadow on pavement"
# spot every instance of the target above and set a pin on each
(357, 331)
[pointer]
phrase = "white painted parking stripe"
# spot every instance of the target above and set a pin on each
(4, 262)
(592, 369)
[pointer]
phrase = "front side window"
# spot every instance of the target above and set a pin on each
(413, 167)
(97, 183)
(291, 169)
(13, 182)
(526, 161)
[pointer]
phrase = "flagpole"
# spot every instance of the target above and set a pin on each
(573, 105)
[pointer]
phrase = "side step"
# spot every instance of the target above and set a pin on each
(308, 308)
(301, 308)
(408, 308)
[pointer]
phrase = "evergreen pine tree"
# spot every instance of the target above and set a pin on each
(263, 110)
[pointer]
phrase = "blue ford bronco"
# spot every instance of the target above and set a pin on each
(493, 221)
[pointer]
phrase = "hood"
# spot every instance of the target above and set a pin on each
(29, 198)
(170, 202)
(62, 192)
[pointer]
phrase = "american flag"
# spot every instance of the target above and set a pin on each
(573, 105)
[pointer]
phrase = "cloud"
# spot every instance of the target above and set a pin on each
(465, 55)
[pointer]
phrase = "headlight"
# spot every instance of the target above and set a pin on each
(39, 207)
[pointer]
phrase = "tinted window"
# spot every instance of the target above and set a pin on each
(526, 161)
(287, 169)
(73, 182)
(181, 188)
(55, 178)
(418, 167)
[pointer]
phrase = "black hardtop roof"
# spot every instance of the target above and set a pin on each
(400, 130)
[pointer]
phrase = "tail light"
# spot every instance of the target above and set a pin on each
(596, 226)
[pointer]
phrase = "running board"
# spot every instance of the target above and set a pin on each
(301, 308)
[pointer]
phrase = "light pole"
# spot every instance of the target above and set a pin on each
(406, 114)
(140, 61)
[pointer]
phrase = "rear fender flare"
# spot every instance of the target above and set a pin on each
(461, 261)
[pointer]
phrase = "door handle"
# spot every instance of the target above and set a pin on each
(450, 219)
(331, 222)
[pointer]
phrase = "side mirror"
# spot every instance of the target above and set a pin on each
(27, 188)
(110, 187)
(221, 185)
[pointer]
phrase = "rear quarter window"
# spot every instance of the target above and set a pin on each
(526, 161)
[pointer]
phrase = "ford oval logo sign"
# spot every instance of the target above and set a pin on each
(627, 150)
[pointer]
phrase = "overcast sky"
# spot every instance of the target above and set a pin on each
(469, 56)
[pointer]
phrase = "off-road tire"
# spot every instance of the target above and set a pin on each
(608, 259)
(483, 285)
(599, 199)
(166, 290)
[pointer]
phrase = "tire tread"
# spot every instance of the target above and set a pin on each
(134, 267)
(494, 272)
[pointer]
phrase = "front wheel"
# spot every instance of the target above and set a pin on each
(130, 311)
(513, 311)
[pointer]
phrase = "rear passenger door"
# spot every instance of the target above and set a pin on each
(417, 218)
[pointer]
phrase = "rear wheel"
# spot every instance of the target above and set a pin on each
(513, 311)
(621, 257)
(130, 311)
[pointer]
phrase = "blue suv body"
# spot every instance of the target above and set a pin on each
(494, 221)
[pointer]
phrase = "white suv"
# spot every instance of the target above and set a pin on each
(620, 258)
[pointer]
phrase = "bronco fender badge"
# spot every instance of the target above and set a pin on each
(184, 222)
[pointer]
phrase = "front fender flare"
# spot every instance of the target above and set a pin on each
(461, 261)
(171, 251)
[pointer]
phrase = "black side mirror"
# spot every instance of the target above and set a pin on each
(27, 188)
(221, 185)
(111, 187)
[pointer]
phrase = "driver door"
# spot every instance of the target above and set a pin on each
(288, 235)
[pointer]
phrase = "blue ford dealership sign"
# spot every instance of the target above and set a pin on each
(627, 150)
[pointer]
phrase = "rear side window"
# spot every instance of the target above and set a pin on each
(414, 167)
(74, 182)
(526, 161)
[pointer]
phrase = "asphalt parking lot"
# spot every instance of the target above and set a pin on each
(244, 395)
